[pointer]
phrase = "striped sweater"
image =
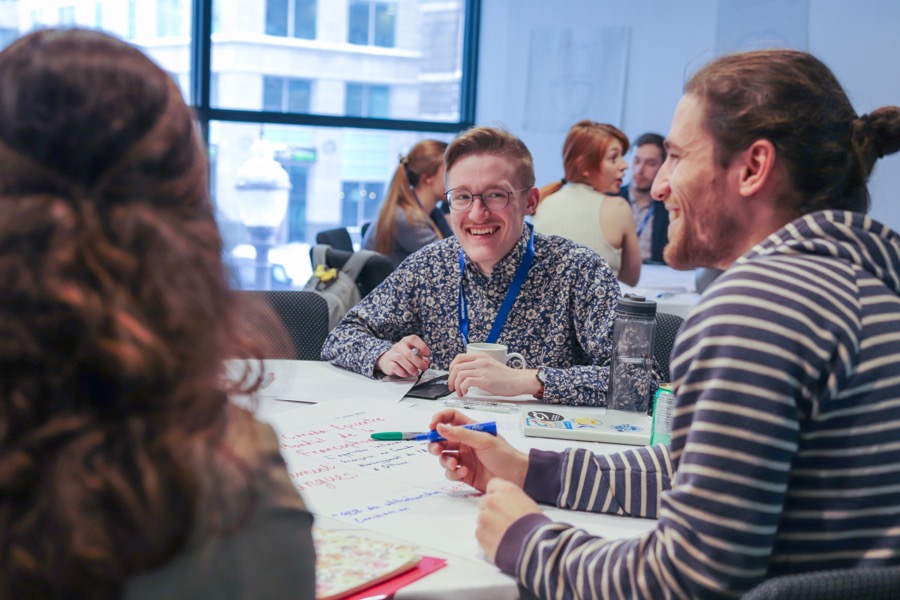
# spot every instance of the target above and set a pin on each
(785, 453)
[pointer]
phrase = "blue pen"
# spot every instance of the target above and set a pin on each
(431, 436)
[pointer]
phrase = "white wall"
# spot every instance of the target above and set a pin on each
(669, 40)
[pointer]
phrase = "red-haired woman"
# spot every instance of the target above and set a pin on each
(583, 208)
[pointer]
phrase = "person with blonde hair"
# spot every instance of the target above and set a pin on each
(409, 218)
(125, 470)
(583, 206)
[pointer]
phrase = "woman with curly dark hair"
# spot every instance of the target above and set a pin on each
(124, 468)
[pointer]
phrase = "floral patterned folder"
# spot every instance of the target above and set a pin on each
(348, 562)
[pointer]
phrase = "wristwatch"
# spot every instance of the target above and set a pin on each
(542, 377)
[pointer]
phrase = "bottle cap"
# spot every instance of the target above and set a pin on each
(635, 305)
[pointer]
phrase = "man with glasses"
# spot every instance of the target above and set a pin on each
(496, 281)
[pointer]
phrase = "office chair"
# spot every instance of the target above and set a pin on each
(881, 583)
(363, 229)
(336, 238)
(303, 316)
(376, 270)
(667, 327)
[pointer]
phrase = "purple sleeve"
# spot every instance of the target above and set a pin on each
(542, 483)
(511, 544)
(542, 480)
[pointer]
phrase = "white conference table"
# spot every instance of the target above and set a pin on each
(308, 401)
(674, 292)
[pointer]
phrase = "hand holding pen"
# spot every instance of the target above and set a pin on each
(407, 358)
(474, 457)
(431, 436)
(489, 464)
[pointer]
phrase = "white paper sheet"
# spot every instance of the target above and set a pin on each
(313, 381)
(396, 488)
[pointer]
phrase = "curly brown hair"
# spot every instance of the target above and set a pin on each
(115, 315)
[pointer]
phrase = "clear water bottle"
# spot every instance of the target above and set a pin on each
(630, 375)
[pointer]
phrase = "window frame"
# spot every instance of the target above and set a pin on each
(200, 84)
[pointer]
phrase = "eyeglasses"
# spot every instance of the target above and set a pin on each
(491, 199)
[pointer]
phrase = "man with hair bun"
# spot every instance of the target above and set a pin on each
(785, 450)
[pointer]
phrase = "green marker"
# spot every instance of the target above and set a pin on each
(430, 436)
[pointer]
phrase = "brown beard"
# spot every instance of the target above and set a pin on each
(707, 241)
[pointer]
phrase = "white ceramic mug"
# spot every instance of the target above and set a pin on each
(498, 352)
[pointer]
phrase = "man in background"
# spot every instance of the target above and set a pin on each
(650, 218)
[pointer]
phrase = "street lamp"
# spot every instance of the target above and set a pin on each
(262, 185)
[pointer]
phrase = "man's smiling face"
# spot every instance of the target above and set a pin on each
(485, 235)
(703, 224)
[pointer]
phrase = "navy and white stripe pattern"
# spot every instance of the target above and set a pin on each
(786, 438)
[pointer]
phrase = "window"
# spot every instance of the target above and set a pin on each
(367, 101)
(372, 23)
(296, 161)
(360, 201)
(426, 74)
(67, 15)
(168, 18)
(281, 94)
(336, 116)
(291, 18)
(441, 27)
(7, 36)
(132, 20)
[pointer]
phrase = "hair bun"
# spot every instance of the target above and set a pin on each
(864, 128)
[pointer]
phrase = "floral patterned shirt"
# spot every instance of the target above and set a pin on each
(562, 318)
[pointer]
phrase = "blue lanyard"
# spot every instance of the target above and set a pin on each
(511, 294)
(416, 196)
(645, 220)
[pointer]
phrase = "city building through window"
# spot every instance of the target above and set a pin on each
(286, 94)
(335, 90)
(291, 18)
(364, 100)
(372, 23)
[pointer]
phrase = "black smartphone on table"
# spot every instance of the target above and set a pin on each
(431, 389)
